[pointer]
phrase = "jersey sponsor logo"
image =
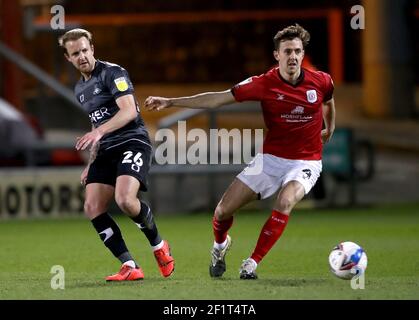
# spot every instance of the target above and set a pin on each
(81, 98)
(298, 110)
(311, 96)
(97, 115)
(121, 84)
(296, 118)
(280, 96)
(296, 115)
(96, 91)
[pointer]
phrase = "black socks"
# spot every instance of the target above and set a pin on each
(145, 222)
(111, 236)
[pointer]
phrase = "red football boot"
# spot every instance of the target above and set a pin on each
(165, 260)
(127, 273)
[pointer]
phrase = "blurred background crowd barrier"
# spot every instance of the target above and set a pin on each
(185, 47)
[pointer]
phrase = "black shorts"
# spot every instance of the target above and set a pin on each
(132, 158)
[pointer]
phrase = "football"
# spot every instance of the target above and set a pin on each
(347, 260)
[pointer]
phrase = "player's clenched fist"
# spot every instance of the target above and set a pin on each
(157, 103)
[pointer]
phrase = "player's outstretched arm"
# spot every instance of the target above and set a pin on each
(207, 100)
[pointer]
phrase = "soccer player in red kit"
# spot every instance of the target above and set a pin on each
(295, 102)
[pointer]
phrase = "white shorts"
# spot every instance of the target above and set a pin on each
(266, 173)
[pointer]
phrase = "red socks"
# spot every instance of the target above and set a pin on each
(270, 233)
(221, 228)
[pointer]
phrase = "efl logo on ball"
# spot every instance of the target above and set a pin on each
(348, 260)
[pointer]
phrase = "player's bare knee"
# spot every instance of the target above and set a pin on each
(127, 204)
(285, 204)
(92, 209)
(221, 213)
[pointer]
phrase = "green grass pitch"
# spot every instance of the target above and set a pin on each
(296, 268)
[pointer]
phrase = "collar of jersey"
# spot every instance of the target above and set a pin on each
(299, 80)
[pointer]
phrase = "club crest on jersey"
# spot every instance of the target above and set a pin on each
(311, 96)
(121, 84)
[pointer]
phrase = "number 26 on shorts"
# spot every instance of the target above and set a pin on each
(136, 161)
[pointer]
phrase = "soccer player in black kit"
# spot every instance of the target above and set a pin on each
(120, 154)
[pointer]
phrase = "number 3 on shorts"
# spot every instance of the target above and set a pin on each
(137, 162)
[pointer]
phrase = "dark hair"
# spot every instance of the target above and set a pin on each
(292, 32)
(74, 34)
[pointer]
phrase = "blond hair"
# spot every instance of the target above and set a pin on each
(72, 35)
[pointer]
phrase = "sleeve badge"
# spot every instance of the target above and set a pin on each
(121, 84)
